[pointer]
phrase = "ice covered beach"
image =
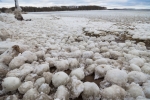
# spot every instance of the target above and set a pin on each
(75, 55)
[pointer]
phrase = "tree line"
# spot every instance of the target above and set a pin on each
(54, 8)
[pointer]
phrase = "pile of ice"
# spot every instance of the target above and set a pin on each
(27, 70)
(141, 32)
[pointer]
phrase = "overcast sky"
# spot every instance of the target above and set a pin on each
(139, 4)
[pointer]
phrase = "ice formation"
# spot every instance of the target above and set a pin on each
(91, 91)
(17, 62)
(12, 97)
(50, 59)
(73, 63)
(30, 56)
(39, 82)
(24, 87)
(43, 96)
(134, 67)
(60, 78)
(41, 68)
(31, 94)
(48, 77)
(146, 68)
(137, 61)
(101, 70)
(90, 69)
(79, 73)
(10, 84)
(9, 54)
(134, 90)
(62, 93)
(62, 65)
(137, 77)
(44, 88)
(114, 92)
(76, 87)
(116, 76)
(22, 72)
(146, 89)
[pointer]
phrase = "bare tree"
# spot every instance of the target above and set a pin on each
(17, 11)
(0, 10)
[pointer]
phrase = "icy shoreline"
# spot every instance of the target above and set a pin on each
(108, 48)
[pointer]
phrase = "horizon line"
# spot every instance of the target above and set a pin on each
(107, 8)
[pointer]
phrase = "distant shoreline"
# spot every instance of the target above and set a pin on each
(66, 8)
(56, 8)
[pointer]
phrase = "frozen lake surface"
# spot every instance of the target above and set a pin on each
(138, 20)
(108, 14)
(98, 12)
